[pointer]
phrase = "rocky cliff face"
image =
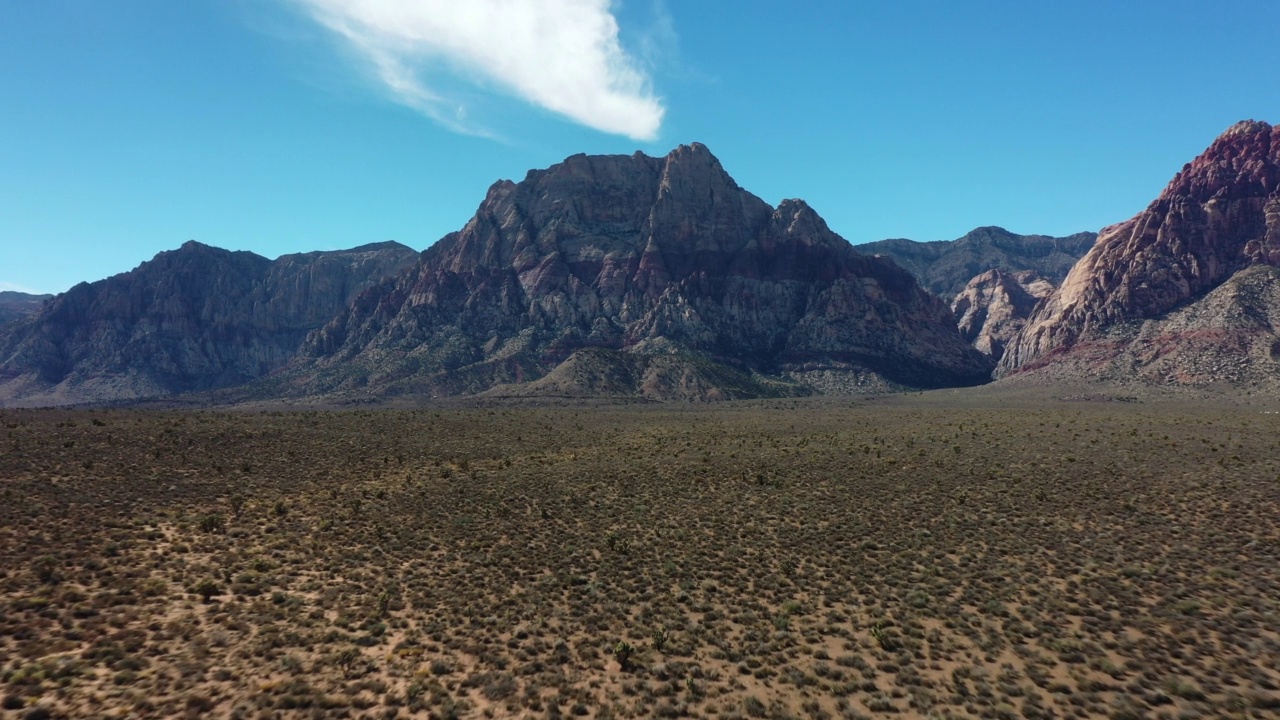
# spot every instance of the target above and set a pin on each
(945, 267)
(648, 256)
(195, 318)
(15, 305)
(1219, 216)
(994, 306)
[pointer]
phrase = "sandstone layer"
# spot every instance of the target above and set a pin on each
(994, 306)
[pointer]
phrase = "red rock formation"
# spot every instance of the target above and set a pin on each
(1219, 215)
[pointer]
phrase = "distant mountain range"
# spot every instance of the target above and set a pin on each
(614, 275)
(945, 267)
(195, 318)
(14, 305)
(992, 278)
(636, 276)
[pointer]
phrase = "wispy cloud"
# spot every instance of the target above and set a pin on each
(14, 287)
(659, 43)
(562, 55)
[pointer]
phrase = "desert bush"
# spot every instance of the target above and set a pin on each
(207, 589)
(45, 568)
(212, 523)
(623, 652)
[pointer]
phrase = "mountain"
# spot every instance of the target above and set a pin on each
(1191, 277)
(991, 277)
(195, 318)
(15, 305)
(652, 276)
(994, 306)
(944, 267)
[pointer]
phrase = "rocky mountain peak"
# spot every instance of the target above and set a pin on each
(797, 219)
(694, 152)
(1244, 161)
(1217, 217)
(1246, 127)
(641, 255)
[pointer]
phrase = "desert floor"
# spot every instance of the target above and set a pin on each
(938, 555)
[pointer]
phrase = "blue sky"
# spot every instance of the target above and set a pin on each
(131, 126)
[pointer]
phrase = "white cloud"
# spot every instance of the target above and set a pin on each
(562, 55)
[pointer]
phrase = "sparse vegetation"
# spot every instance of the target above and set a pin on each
(783, 558)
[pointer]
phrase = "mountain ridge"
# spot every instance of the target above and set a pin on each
(645, 255)
(190, 319)
(944, 267)
(662, 278)
(15, 305)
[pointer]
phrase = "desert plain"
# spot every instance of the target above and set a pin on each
(958, 554)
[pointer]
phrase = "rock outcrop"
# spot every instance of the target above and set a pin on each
(945, 267)
(195, 318)
(994, 306)
(16, 305)
(1219, 216)
(649, 256)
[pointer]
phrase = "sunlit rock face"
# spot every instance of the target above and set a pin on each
(1218, 217)
(646, 256)
(995, 305)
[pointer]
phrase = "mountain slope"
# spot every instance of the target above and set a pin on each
(195, 318)
(944, 267)
(1218, 217)
(15, 305)
(651, 256)
(995, 305)
(1228, 338)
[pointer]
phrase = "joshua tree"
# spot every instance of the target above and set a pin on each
(623, 652)
(659, 638)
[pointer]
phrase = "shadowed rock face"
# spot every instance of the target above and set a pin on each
(645, 255)
(995, 305)
(1219, 216)
(945, 267)
(195, 318)
(15, 305)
